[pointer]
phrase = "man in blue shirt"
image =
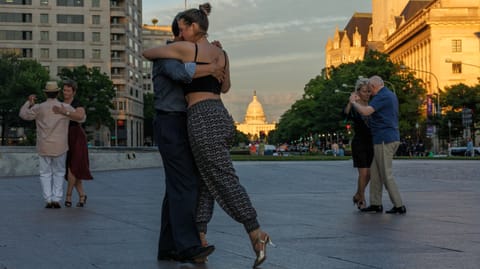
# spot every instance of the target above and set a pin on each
(383, 113)
(179, 237)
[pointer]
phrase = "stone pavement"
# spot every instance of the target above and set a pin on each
(305, 206)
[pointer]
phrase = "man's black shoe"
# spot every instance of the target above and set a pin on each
(373, 209)
(56, 205)
(194, 254)
(49, 205)
(397, 210)
(168, 256)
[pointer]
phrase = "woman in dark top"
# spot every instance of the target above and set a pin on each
(211, 130)
(78, 167)
(362, 145)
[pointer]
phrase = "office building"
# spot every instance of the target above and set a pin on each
(98, 34)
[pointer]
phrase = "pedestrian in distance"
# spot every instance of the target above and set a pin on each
(383, 112)
(211, 130)
(78, 164)
(469, 152)
(362, 146)
(52, 141)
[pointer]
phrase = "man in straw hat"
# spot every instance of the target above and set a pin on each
(52, 141)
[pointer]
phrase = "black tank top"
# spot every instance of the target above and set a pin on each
(203, 84)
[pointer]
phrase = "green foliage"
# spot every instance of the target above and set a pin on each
(240, 138)
(18, 79)
(320, 109)
(453, 100)
(95, 92)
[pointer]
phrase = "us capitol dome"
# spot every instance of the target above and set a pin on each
(255, 120)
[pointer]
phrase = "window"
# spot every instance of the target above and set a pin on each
(16, 2)
(44, 36)
(43, 18)
(44, 53)
(70, 53)
(95, 19)
(15, 35)
(95, 3)
(96, 37)
(44, 2)
(70, 3)
(15, 17)
(70, 19)
(96, 54)
(27, 53)
(457, 68)
(70, 36)
(456, 45)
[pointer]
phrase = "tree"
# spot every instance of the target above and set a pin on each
(454, 100)
(320, 109)
(19, 78)
(95, 92)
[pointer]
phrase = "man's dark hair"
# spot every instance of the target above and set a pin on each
(51, 94)
(175, 28)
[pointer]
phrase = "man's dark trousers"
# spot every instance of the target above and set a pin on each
(178, 230)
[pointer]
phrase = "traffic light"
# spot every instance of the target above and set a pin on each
(348, 127)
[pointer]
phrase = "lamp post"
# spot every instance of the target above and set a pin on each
(437, 108)
(416, 129)
(449, 132)
(450, 61)
(391, 86)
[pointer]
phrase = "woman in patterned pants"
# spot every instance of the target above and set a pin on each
(211, 129)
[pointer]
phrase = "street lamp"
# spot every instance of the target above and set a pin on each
(391, 86)
(340, 91)
(449, 132)
(437, 112)
(416, 128)
(450, 61)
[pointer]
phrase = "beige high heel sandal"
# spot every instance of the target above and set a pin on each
(262, 252)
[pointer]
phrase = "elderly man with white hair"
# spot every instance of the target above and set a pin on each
(383, 112)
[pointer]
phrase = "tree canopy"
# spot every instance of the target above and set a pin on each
(320, 108)
(19, 78)
(95, 92)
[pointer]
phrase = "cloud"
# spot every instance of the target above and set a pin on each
(265, 30)
(274, 59)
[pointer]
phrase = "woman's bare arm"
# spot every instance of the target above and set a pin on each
(180, 50)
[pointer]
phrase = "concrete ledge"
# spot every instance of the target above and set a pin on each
(23, 161)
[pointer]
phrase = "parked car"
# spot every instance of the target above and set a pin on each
(461, 151)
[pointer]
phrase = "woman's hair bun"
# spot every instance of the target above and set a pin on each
(206, 8)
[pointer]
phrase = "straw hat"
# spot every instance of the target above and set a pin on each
(51, 87)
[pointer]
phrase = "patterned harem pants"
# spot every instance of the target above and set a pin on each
(211, 132)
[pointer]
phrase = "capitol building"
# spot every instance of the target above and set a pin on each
(255, 121)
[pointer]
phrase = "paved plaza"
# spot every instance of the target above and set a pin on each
(305, 206)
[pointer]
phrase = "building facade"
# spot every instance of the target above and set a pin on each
(255, 121)
(98, 34)
(153, 35)
(437, 39)
(350, 44)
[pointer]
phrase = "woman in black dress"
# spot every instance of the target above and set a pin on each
(362, 146)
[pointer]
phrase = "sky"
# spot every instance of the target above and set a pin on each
(275, 47)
